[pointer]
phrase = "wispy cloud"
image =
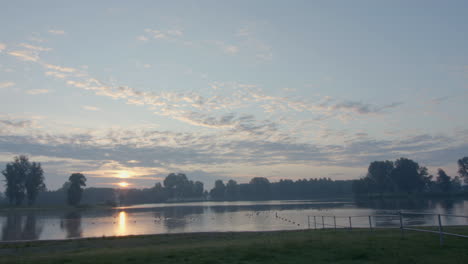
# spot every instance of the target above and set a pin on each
(2, 46)
(91, 108)
(56, 31)
(55, 74)
(142, 38)
(33, 47)
(60, 68)
(37, 91)
(159, 34)
(231, 49)
(250, 40)
(439, 100)
(6, 84)
(25, 55)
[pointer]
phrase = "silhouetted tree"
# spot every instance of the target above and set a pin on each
(75, 191)
(443, 181)
(217, 192)
(198, 189)
(23, 179)
(34, 182)
(160, 194)
(176, 184)
(231, 190)
(260, 188)
(379, 173)
(463, 168)
(427, 179)
(456, 184)
(406, 175)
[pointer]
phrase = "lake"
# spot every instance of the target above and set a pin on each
(219, 216)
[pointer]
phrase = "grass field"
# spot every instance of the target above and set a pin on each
(311, 246)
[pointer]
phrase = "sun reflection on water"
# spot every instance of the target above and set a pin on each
(122, 223)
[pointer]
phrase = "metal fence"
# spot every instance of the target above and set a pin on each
(346, 222)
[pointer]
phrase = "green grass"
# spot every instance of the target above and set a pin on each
(321, 246)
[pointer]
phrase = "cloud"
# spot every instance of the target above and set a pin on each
(25, 55)
(142, 38)
(2, 46)
(171, 34)
(439, 100)
(250, 41)
(33, 47)
(362, 108)
(6, 84)
(16, 123)
(60, 68)
(91, 108)
(231, 49)
(56, 32)
(37, 91)
(55, 74)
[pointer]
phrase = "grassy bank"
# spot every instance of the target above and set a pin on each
(321, 246)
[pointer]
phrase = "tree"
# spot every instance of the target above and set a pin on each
(379, 174)
(23, 179)
(34, 182)
(75, 191)
(231, 190)
(443, 181)
(177, 184)
(463, 168)
(160, 194)
(217, 192)
(198, 189)
(406, 175)
(427, 179)
(260, 188)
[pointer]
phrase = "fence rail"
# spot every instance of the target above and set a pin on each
(312, 219)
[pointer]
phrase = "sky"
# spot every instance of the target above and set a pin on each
(135, 90)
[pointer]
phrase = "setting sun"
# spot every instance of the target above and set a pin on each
(123, 184)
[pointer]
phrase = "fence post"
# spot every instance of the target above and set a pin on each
(308, 221)
(323, 222)
(334, 221)
(315, 222)
(401, 224)
(370, 223)
(350, 226)
(441, 235)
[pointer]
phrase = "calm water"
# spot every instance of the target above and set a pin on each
(216, 216)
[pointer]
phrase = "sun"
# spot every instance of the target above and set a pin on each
(123, 184)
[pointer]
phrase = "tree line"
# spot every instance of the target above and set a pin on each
(260, 188)
(407, 176)
(24, 180)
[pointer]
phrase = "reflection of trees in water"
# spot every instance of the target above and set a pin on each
(275, 207)
(177, 217)
(396, 204)
(20, 227)
(71, 222)
(447, 205)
